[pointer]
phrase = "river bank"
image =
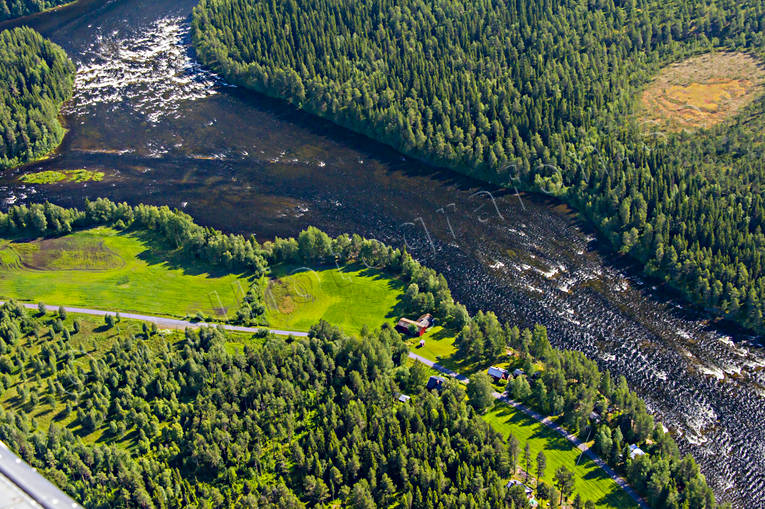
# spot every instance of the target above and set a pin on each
(166, 132)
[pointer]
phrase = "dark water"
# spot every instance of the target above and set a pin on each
(166, 132)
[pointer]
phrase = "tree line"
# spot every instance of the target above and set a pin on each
(285, 423)
(15, 8)
(560, 383)
(36, 76)
(589, 403)
(535, 95)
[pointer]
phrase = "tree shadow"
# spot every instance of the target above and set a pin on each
(159, 252)
(393, 282)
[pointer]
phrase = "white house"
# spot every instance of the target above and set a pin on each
(635, 451)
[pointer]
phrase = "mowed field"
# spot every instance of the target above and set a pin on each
(590, 481)
(701, 91)
(348, 297)
(106, 269)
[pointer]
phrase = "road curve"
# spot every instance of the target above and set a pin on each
(546, 420)
(438, 367)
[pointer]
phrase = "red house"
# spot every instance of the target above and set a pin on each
(414, 328)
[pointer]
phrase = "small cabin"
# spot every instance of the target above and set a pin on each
(436, 382)
(636, 451)
(403, 398)
(497, 374)
(415, 327)
(518, 372)
(512, 482)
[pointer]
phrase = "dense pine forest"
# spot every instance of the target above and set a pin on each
(538, 95)
(15, 8)
(189, 420)
(36, 76)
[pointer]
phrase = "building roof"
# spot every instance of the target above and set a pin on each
(636, 451)
(404, 398)
(423, 321)
(406, 322)
(518, 371)
(436, 382)
(513, 482)
(496, 372)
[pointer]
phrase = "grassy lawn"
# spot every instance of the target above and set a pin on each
(439, 347)
(591, 482)
(107, 269)
(349, 297)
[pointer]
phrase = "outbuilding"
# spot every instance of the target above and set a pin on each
(497, 373)
(436, 382)
(636, 451)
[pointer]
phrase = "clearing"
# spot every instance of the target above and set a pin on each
(348, 297)
(591, 482)
(701, 91)
(129, 271)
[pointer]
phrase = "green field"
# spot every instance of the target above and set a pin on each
(439, 347)
(53, 176)
(349, 298)
(107, 269)
(591, 482)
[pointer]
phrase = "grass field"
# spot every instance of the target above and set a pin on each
(106, 269)
(439, 347)
(53, 176)
(349, 297)
(591, 482)
(701, 91)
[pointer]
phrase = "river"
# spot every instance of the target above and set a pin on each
(165, 131)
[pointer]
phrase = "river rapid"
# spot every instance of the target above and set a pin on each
(165, 131)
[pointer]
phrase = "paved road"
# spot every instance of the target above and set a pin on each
(438, 367)
(162, 322)
(546, 420)
(26, 478)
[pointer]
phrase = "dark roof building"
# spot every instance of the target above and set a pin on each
(436, 382)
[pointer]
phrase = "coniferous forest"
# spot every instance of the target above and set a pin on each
(36, 76)
(191, 421)
(538, 95)
(15, 8)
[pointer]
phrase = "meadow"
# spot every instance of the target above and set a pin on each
(701, 91)
(590, 481)
(53, 176)
(108, 269)
(348, 297)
